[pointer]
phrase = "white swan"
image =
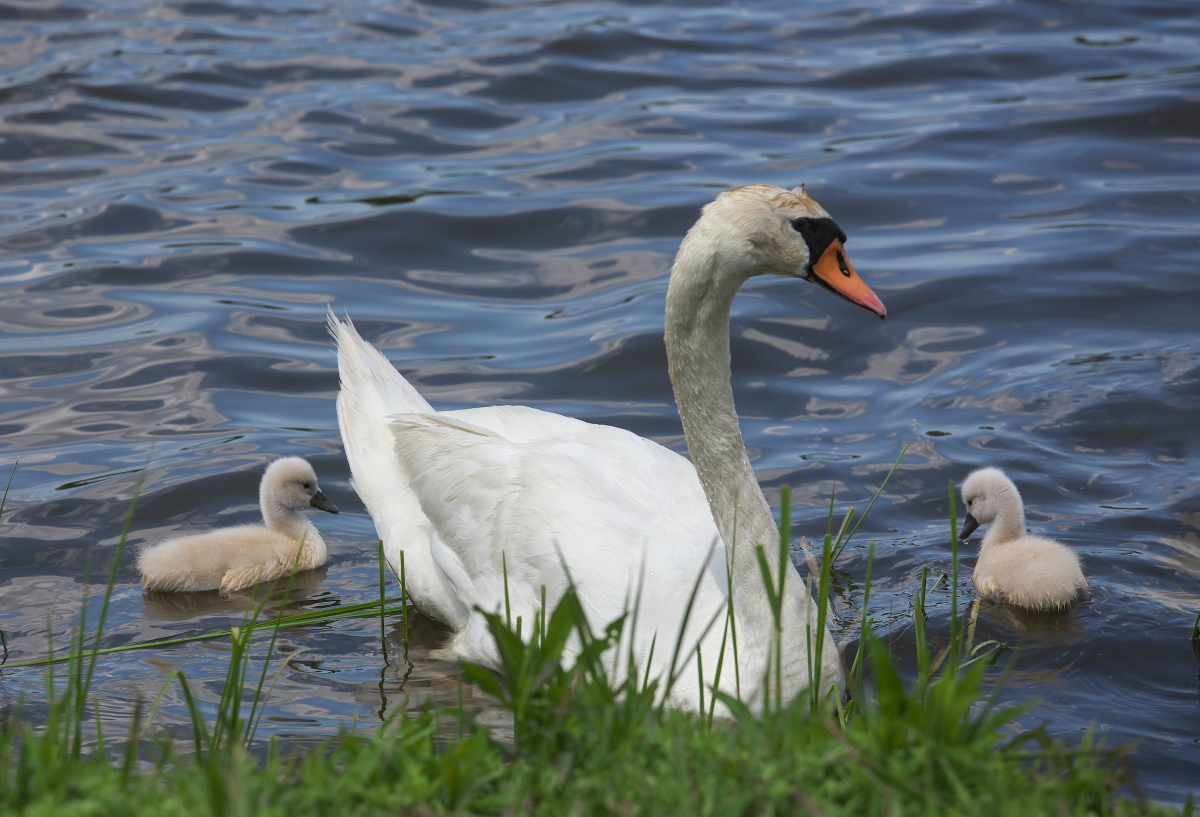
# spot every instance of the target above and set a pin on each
(1015, 567)
(468, 494)
(229, 559)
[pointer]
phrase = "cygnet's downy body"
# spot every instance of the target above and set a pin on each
(1015, 567)
(230, 559)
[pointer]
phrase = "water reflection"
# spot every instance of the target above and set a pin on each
(924, 353)
(1056, 629)
(270, 597)
(1182, 555)
(416, 674)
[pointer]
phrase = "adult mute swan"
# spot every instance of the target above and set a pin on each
(1015, 567)
(230, 559)
(471, 494)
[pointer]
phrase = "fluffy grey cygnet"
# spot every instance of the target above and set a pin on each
(1015, 567)
(230, 559)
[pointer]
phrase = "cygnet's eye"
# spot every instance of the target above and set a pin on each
(308, 486)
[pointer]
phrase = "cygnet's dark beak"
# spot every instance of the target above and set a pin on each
(322, 503)
(969, 526)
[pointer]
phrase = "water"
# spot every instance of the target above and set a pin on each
(494, 192)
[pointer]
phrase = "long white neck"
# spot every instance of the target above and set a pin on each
(703, 282)
(295, 526)
(1009, 523)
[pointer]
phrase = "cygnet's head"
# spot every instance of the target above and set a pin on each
(291, 483)
(985, 493)
(761, 228)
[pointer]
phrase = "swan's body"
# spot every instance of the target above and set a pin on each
(467, 495)
(229, 559)
(1015, 567)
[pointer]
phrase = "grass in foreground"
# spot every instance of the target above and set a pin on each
(582, 749)
(584, 745)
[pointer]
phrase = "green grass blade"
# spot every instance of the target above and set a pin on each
(84, 679)
(404, 600)
(11, 474)
(954, 626)
(361, 610)
(919, 625)
(382, 615)
(200, 737)
(841, 545)
(260, 700)
(856, 669)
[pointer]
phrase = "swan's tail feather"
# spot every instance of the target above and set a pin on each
(368, 378)
(371, 392)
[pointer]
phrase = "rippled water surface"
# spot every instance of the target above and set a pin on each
(494, 191)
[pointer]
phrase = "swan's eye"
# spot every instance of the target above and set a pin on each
(818, 234)
(308, 486)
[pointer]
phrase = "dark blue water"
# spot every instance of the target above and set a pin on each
(494, 192)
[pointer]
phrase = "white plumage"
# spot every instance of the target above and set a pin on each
(468, 494)
(229, 559)
(1013, 566)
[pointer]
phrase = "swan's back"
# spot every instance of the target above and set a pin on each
(548, 504)
(536, 484)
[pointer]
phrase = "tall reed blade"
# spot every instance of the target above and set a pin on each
(856, 670)
(8, 485)
(954, 628)
(308, 618)
(843, 542)
(382, 615)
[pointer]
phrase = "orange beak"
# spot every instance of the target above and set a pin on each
(834, 272)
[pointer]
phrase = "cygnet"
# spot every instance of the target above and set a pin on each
(230, 559)
(1015, 567)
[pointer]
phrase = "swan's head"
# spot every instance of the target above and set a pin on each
(760, 229)
(986, 493)
(292, 483)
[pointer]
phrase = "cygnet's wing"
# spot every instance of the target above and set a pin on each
(263, 555)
